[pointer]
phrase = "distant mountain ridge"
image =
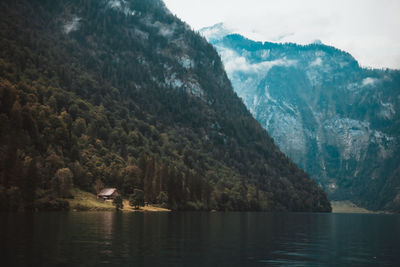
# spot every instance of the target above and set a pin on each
(338, 121)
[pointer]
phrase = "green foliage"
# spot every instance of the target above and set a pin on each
(28, 185)
(162, 199)
(61, 184)
(95, 102)
(137, 198)
(51, 204)
(118, 202)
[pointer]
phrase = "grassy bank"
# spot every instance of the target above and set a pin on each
(147, 208)
(85, 201)
(347, 207)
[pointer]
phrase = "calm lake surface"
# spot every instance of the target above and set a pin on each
(198, 239)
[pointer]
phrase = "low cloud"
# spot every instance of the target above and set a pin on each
(121, 5)
(368, 81)
(72, 25)
(235, 63)
(317, 62)
(164, 30)
(368, 29)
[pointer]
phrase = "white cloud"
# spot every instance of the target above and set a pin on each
(72, 25)
(368, 29)
(234, 62)
(115, 4)
(215, 31)
(164, 30)
(122, 6)
(369, 81)
(316, 62)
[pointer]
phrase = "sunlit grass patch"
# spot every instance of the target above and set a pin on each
(86, 201)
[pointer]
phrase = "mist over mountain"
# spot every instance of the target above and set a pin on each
(122, 93)
(338, 121)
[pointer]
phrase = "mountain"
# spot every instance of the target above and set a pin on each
(338, 121)
(123, 94)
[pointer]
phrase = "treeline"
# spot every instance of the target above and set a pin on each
(290, 49)
(94, 105)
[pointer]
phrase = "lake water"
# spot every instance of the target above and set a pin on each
(198, 239)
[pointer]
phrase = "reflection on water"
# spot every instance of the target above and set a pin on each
(198, 239)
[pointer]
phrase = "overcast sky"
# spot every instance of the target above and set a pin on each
(368, 29)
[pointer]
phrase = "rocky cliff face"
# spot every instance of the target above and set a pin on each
(335, 119)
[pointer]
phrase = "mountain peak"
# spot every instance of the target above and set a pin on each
(317, 42)
(215, 32)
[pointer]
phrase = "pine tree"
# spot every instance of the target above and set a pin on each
(29, 184)
(118, 203)
(137, 198)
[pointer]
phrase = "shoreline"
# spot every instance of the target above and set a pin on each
(349, 207)
(147, 208)
(85, 201)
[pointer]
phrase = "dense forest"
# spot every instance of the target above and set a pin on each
(122, 93)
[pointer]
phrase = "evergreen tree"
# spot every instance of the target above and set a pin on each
(62, 183)
(29, 184)
(137, 199)
(118, 203)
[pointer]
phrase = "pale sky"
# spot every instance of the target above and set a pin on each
(368, 29)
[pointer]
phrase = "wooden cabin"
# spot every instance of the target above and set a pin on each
(108, 194)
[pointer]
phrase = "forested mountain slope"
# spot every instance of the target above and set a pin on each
(338, 121)
(123, 93)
